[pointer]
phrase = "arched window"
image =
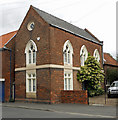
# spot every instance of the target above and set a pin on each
(68, 51)
(83, 55)
(30, 51)
(68, 73)
(96, 55)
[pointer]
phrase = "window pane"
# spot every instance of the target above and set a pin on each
(68, 57)
(31, 47)
(29, 57)
(65, 75)
(68, 75)
(65, 57)
(34, 85)
(34, 57)
(29, 85)
(81, 60)
(33, 75)
(117, 84)
(69, 84)
(84, 57)
(65, 84)
(29, 75)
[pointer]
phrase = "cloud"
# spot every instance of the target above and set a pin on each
(96, 15)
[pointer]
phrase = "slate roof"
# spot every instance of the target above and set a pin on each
(109, 60)
(57, 22)
(6, 37)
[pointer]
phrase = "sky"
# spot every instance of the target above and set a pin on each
(98, 16)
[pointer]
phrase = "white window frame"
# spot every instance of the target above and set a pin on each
(30, 60)
(96, 55)
(68, 85)
(2, 79)
(32, 78)
(68, 52)
(83, 55)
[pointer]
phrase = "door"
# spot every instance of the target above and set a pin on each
(2, 93)
(85, 85)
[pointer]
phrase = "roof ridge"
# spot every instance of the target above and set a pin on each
(66, 26)
(91, 34)
(57, 17)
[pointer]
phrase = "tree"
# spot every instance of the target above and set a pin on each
(111, 75)
(91, 73)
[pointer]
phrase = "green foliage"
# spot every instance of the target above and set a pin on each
(89, 54)
(97, 92)
(92, 73)
(112, 75)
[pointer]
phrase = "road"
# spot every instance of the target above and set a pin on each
(13, 112)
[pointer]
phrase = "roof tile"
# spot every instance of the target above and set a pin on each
(57, 22)
(109, 59)
(5, 38)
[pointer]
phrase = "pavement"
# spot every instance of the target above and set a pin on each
(103, 100)
(98, 107)
(79, 109)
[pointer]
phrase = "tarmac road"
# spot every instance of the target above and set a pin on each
(35, 110)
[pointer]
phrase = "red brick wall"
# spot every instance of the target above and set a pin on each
(43, 84)
(6, 68)
(76, 96)
(76, 84)
(59, 37)
(20, 84)
(57, 84)
(41, 30)
(6, 72)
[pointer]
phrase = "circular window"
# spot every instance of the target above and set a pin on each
(30, 26)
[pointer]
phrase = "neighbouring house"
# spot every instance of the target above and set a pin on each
(109, 64)
(6, 65)
(47, 53)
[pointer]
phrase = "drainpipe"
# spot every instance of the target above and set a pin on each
(103, 69)
(10, 71)
(102, 54)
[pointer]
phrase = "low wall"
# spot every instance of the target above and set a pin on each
(74, 96)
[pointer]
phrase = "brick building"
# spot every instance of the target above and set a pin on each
(6, 65)
(109, 64)
(48, 53)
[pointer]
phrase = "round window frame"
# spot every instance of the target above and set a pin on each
(29, 26)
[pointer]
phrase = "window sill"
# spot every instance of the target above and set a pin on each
(31, 65)
(30, 94)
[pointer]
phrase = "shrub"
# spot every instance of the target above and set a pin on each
(91, 74)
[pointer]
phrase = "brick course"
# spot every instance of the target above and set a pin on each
(75, 96)
(57, 39)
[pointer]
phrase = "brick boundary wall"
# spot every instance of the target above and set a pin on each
(74, 96)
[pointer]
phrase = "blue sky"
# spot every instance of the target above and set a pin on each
(98, 16)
